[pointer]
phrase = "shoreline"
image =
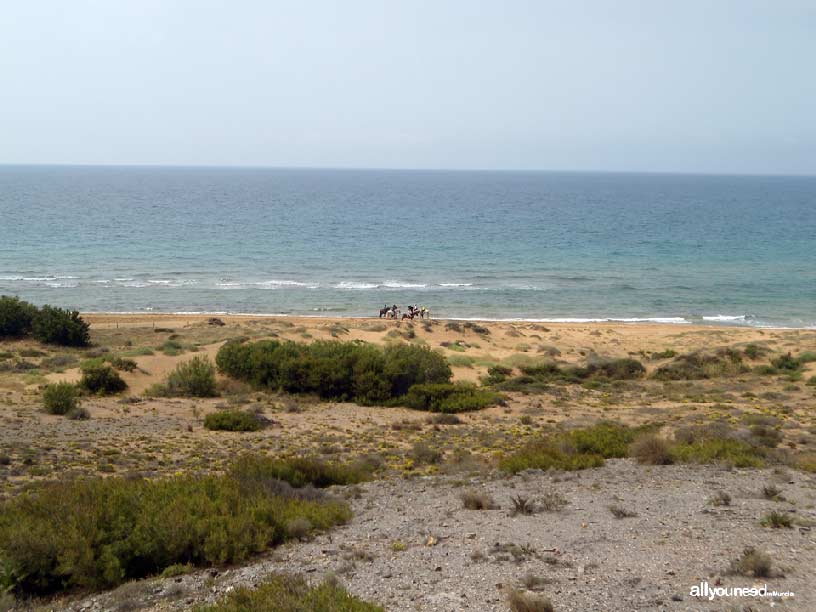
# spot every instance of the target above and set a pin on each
(669, 322)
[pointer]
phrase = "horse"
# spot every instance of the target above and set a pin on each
(408, 315)
(384, 312)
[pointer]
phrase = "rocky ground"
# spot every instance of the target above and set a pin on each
(413, 546)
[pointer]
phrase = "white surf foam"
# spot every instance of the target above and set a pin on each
(727, 318)
(354, 285)
(392, 284)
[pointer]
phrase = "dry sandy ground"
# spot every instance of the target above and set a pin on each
(164, 436)
(600, 563)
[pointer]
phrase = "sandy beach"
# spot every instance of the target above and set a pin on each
(157, 343)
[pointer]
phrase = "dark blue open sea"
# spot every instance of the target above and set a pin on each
(492, 245)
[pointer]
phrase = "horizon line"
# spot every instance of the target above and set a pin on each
(401, 169)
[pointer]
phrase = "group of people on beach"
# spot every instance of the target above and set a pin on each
(393, 312)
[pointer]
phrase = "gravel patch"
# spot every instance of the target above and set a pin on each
(413, 546)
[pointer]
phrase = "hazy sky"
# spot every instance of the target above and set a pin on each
(710, 86)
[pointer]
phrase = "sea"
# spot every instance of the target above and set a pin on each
(538, 246)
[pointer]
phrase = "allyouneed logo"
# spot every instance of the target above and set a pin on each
(706, 590)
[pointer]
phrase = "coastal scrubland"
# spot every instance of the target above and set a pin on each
(214, 460)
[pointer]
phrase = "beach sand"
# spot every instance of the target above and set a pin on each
(122, 428)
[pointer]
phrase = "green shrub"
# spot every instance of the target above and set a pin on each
(407, 365)
(546, 370)
(171, 348)
(776, 520)
(100, 379)
(58, 326)
(667, 354)
(523, 384)
(299, 471)
(764, 435)
(719, 450)
(612, 369)
(605, 439)
(754, 351)
(544, 454)
(95, 534)
(334, 370)
(601, 369)
(573, 450)
(194, 378)
(702, 365)
(232, 420)
(497, 374)
(449, 397)
(60, 398)
(123, 364)
(786, 362)
(16, 317)
(286, 593)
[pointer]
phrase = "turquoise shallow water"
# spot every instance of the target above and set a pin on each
(494, 245)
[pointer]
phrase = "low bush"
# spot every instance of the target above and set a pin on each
(78, 413)
(651, 450)
(194, 378)
(58, 326)
(424, 454)
(100, 379)
(776, 520)
(702, 365)
(752, 563)
(544, 455)
(536, 376)
(123, 364)
(342, 371)
(476, 500)
(523, 384)
(300, 471)
(720, 498)
(585, 448)
(443, 418)
(16, 317)
(95, 534)
(60, 398)
(619, 512)
(233, 420)
(172, 347)
(763, 435)
(786, 362)
(523, 601)
(449, 398)
(287, 593)
(719, 450)
(497, 374)
(573, 450)
(754, 351)
(606, 439)
(475, 327)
